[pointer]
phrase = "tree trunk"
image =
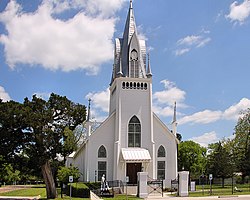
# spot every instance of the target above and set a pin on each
(49, 181)
(223, 182)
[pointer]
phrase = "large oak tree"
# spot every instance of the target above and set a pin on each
(36, 128)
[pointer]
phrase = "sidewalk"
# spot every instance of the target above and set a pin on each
(19, 198)
(166, 197)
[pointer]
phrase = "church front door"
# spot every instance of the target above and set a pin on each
(132, 169)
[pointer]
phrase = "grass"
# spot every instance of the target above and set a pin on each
(28, 192)
(41, 190)
(217, 190)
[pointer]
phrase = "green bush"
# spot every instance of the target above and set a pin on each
(78, 190)
(93, 185)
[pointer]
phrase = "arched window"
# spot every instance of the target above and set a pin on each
(134, 132)
(102, 152)
(134, 65)
(161, 163)
(161, 152)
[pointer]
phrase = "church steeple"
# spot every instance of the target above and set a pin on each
(88, 115)
(149, 73)
(174, 122)
(130, 51)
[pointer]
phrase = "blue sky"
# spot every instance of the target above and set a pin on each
(199, 52)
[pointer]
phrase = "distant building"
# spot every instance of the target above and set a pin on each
(132, 138)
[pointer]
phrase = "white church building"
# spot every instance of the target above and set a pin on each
(132, 138)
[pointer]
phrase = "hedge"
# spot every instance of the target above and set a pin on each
(78, 190)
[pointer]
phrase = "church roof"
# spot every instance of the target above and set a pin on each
(130, 51)
(136, 155)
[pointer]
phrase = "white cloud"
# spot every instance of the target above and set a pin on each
(209, 116)
(239, 12)
(189, 42)
(81, 42)
(203, 117)
(206, 138)
(180, 52)
(163, 101)
(233, 112)
(99, 103)
(4, 95)
(42, 95)
(170, 95)
(166, 111)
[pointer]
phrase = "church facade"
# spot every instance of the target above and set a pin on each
(132, 138)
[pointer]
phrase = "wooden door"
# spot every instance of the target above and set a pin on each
(132, 169)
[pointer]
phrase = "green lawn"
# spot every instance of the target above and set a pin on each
(217, 190)
(29, 192)
(35, 191)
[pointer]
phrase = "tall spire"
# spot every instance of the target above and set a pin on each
(174, 117)
(130, 51)
(88, 116)
(149, 73)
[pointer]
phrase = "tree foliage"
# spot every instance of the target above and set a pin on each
(220, 161)
(65, 172)
(37, 129)
(191, 157)
(242, 143)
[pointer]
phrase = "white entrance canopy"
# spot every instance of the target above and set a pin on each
(135, 155)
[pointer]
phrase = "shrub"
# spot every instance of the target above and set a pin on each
(78, 190)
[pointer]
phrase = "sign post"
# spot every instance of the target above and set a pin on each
(210, 179)
(127, 180)
(71, 179)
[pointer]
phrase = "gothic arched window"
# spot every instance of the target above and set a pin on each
(161, 163)
(102, 152)
(161, 152)
(134, 132)
(134, 64)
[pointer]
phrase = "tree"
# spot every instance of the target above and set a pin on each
(220, 161)
(9, 174)
(12, 135)
(191, 157)
(242, 143)
(47, 121)
(69, 142)
(65, 172)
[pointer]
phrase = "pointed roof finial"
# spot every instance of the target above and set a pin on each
(120, 74)
(149, 73)
(174, 118)
(131, 4)
(88, 116)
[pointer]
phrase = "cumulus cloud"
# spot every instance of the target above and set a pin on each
(239, 12)
(164, 100)
(42, 95)
(4, 95)
(206, 139)
(104, 8)
(203, 117)
(209, 116)
(99, 104)
(233, 112)
(189, 42)
(81, 42)
(170, 94)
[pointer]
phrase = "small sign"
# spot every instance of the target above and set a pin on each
(210, 177)
(71, 179)
(127, 179)
(192, 186)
